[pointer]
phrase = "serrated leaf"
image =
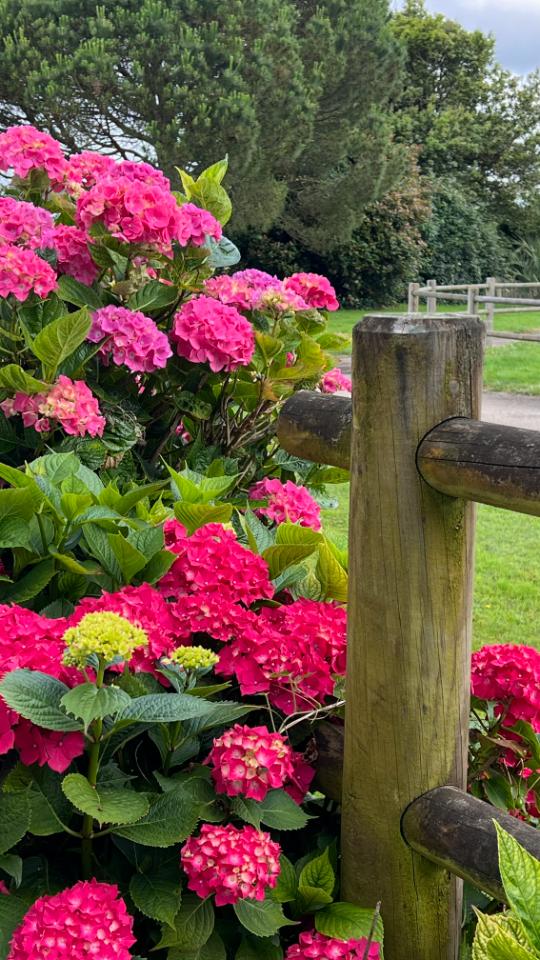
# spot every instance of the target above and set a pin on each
(156, 897)
(49, 808)
(280, 557)
(520, 874)
(12, 911)
(287, 885)
(105, 804)
(16, 508)
(279, 811)
(193, 925)
(129, 559)
(14, 819)
(259, 536)
(220, 714)
(255, 948)
(37, 697)
(59, 339)
(171, 819)
(31, 583)
(195, 515)
(222, 253)
(12, 864)
(16, 380)
(90, 702)
(164, 708)
(293, 534)
(319, 873)
(310, 899)
(345, 921)
(246, 809)
(495, 941)
(72, 291)
(261, 917)
(153, 297)
(333, 578)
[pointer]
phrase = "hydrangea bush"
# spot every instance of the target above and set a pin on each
(123, 339)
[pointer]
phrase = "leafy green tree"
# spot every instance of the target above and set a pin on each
(472, 119)
(294, 92)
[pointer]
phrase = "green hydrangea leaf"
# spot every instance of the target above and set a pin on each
(279, 811)
(90, 702)
(261, 917)
(171, 819)
(38, 697)
(105, 804)
(345, 921)
(14, 819)
(156, 896)
(193, 925)
(520, 874)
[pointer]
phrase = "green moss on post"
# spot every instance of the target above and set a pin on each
(411, 569)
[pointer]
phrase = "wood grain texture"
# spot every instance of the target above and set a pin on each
(317, 427)
(411, 568)
(456, 830)
(486, 462)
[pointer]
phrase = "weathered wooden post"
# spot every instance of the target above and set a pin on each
(432, 299)
(472, 293)
(413, 300)
(490, 307)
(411, 555)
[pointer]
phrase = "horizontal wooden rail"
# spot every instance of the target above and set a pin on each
(317, 427)
(485, 462)
(445, 825)
(524, 301)
(455, 830)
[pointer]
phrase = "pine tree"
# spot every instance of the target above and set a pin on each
(295, 93)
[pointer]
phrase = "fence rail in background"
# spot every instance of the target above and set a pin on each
(418, 456)
(469, 294)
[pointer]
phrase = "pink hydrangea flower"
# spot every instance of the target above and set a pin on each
(132, 210)
(133, 339)
(233, 864)
(24, 224)
(145, 608)
(510, 675)
(140, 172)
(316, 290)
(87, 920)
(253, 290)
(73, 254)
(211, 561)
(47, 747)
(206, 331)
(301, 778)
(24, 149)
(334, 380)
(287, 502)
(70, 402)
(195, 225)
(23, 272)
(250, 761)
(292, 653)
(317, 946)
(28, 640)
(83, 170)
(175, 533)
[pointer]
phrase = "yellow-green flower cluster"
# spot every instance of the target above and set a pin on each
(194, 658)
(105, 634)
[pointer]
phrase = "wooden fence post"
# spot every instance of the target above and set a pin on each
(472, 293)
(413, 300)
(409, 621)
(490, 307)
(432, 301)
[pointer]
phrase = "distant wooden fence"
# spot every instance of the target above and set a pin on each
(477, 298)
(419, 459)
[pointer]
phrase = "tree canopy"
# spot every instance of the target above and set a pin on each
(296, 93)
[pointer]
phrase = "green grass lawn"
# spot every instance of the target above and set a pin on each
(507, 584)
(514, 368)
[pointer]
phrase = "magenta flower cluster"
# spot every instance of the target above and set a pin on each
(334, 380)
(315, 290)
(195, 225)
(131, 339)
(69, 402)
(88, 921)
(230, 863)
(509, 674)
(286, 502)
(73, 254)
(250, 761)
(24, 224)
(206, 331)
(23, 149)
(317, 946)
(23, 272)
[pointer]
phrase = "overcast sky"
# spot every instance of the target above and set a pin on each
(514, 23)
